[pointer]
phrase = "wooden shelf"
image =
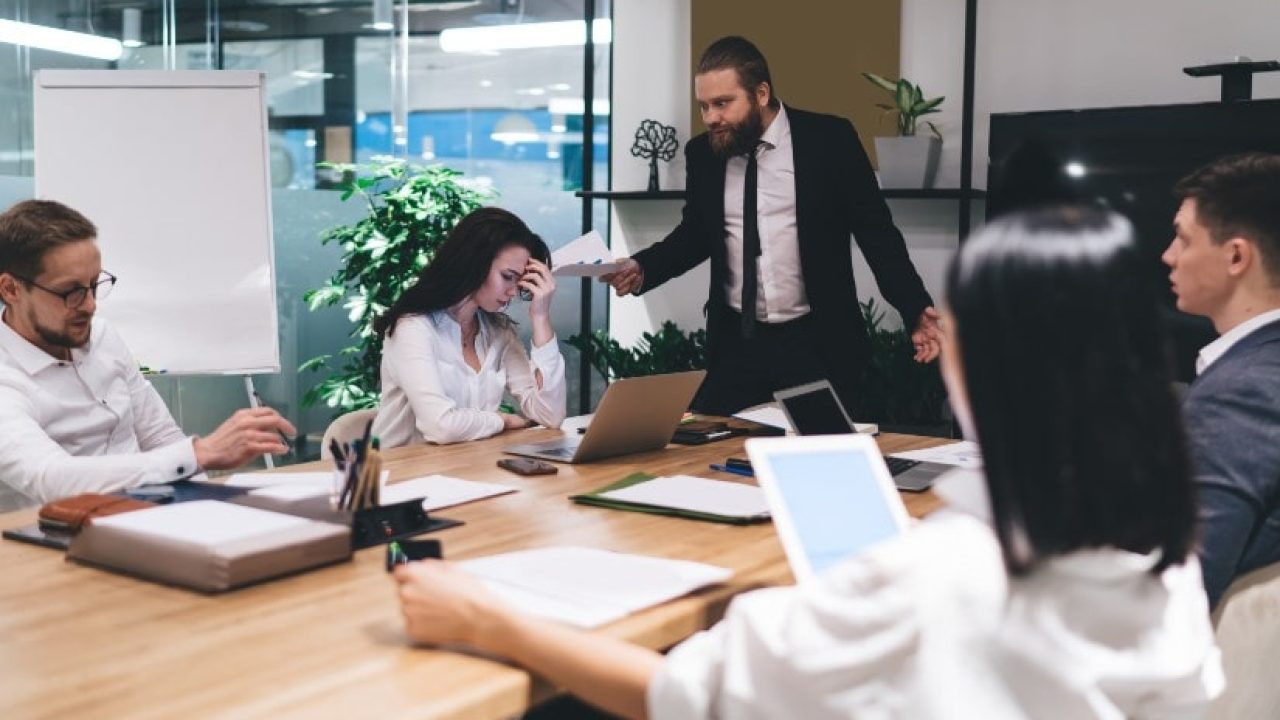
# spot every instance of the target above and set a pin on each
(631, 194)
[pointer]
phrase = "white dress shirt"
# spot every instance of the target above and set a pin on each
(91, 424)
(930, 626)
(781, 295)
(1216, 349)
(430, 393)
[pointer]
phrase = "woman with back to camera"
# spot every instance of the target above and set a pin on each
(449, 348)
(1081, 599)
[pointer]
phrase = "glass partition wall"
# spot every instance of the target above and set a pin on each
(493, 88)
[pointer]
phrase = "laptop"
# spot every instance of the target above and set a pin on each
(635, 415)
(815, 409)
(831, 497)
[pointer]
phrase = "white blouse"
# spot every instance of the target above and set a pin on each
(430, 393)
(930, 626)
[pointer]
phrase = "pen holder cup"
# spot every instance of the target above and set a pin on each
(382, 524)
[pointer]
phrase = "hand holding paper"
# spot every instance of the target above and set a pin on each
(587, 256)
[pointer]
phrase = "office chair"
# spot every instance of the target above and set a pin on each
(348, 427)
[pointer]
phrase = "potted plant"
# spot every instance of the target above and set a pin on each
(411, 210)
(668, 350)
(908, 160)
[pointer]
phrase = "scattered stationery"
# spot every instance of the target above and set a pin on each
(682, 496)
(441, 491)
(587, 587)
(586, 256)
(209, 545)
(965, 453)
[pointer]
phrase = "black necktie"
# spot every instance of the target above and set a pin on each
(750, 247)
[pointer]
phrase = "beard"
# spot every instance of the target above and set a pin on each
(63, 337)
(738, 138)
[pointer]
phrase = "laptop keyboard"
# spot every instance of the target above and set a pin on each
(897, 465)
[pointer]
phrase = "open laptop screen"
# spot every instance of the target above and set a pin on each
(815, 410)
(835, 504)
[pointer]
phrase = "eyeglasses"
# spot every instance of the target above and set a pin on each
(76, 296)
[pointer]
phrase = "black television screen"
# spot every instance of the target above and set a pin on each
(1127, 159)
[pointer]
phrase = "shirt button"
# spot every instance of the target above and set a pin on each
(181, 469)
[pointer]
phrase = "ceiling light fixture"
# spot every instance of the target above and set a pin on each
(63, 41)
(131, 27)
(574, 106)
(514, 128)
(383, 17)
(527, 35)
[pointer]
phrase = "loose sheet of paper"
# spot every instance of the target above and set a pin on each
(586, 256)
(260, 480)
(963, 454)
(588, 587)
(704, 495)
(440, 491)
(771, 414)
(207, 523)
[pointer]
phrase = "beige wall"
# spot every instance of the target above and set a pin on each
(816, 50)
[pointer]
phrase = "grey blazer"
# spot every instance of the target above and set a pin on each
(1232, 414)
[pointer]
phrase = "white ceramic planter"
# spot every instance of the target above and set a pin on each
(908, 162)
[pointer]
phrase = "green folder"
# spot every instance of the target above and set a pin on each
(594, 498)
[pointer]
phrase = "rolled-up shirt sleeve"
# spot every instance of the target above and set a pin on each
(544, 405)
(35, 465)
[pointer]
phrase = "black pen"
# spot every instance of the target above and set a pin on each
(258, 403)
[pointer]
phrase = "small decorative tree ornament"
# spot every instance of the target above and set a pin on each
(654, 142)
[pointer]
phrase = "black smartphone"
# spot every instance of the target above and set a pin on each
(402, 552)
(740, 463)
(528, 466)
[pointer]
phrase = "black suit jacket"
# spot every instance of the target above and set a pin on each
(836, 195)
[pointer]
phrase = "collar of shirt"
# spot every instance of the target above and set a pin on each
(1210, 353)
(778, 130)
(444, 322)
(27, 356)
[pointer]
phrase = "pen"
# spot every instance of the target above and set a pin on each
(257, 402)
(745, 472)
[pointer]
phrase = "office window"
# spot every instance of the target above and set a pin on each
(343, 86)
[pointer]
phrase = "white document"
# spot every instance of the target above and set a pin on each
(440, 491)
(207, 523)
(965, 454)
(587, 256)
(771, 414)
(696, 494)
(588, 587)
(321, 481)
(290, 492)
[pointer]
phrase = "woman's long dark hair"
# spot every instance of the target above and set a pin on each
(462, 264)
(1068, 377)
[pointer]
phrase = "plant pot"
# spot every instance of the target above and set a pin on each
(908, 162)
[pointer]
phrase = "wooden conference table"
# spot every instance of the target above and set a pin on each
(81, 642)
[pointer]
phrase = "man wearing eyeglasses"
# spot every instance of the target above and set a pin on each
(76, 414)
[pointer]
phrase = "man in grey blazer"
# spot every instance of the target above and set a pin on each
(1225, 264)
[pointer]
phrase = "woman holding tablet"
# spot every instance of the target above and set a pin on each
(450, 350)
(1080, 600)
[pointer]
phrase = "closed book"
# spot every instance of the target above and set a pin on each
(209, 545)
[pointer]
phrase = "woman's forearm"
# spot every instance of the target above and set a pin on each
(608, 673)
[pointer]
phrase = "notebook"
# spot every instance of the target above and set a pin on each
(682, 496)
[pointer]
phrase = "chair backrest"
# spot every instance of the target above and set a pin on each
(1247, 624)
(347, 427)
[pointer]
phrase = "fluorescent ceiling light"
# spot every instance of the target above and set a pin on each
(527, 35)
(574, 106)
(63, 41)
(1076, 169)
(312, 75)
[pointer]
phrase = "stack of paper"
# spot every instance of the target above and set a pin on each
(587, 587)
(441, 491)
(682, 496)
(587, 256)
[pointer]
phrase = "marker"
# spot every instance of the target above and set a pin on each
(744, 472)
